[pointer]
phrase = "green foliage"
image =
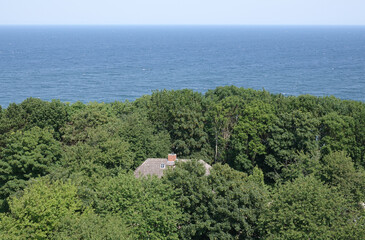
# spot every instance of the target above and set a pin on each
(13, 118)
(38, 211)
(147, 205)
(225, 108)
(121, 109)
(308, 103)
(123, 142)
(250, 135)
(34, 112)
(222, 118)
(92, 227)
(26, 155)
(144, 138)
(111, 156)
(223, 205)
(84, 118)
(247, 94)
(293, 139)
(338, 170)
(92, 134)
(257, 176)
(359, 147)
(307, 209)
(301, 165)
(181, 113)
(337, 133)
(45, 114)
(270, 139)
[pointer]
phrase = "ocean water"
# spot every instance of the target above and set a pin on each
(108, 63)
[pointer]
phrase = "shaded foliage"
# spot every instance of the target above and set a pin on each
(291, 135)
(181, 113)
(34, 112)
(92, 226)
(338, 170)
(26, 155)
(144, 138)
(307, 209)
(146, 205)
(250, 136)
(283, 167)
(224, 205)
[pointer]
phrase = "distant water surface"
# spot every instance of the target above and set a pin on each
(108, 63)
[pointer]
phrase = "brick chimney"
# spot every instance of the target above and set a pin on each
(171, 157)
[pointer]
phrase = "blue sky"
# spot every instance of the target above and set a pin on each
(246, 12)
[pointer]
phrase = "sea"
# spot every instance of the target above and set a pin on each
(118, 63)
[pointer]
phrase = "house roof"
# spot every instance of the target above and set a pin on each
(152, 166)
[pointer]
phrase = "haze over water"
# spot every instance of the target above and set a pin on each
(108, 63)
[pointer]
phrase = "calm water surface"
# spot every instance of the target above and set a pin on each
(108, 63)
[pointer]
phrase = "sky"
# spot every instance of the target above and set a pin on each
(186, 12)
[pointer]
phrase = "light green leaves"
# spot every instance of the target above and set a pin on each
(37, 212)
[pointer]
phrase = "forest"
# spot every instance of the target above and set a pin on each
(283, 167)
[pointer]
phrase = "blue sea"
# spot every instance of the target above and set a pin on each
(108, 63)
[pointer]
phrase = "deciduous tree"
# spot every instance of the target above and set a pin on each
(308, 209)
(26, 155)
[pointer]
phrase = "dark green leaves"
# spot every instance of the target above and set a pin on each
(26, 155)
(224, 205)
(148, 206)
(181, 113)
(307, 209)
(308, 151)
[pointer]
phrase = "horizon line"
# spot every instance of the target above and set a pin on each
(192, 25)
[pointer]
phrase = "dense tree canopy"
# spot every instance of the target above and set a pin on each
(39, 210)
(148, 206)
(283, 167)
(181, 113)
(224, 205)
(26, 155)
(308, 209)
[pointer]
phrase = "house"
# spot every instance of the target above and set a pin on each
(156, 166)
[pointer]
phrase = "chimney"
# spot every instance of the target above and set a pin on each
(171, 157)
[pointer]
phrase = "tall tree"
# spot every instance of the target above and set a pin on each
(224, 205)
(223, 116)
(359, 131)
(38, 212)
(308, 209)
(26, 155)
(144, 138)
(84, 118)
(292, 136)
(248, 145)
(337, 133)
(181, 113)
(338, 170)
(148, 206)
(34, 112)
